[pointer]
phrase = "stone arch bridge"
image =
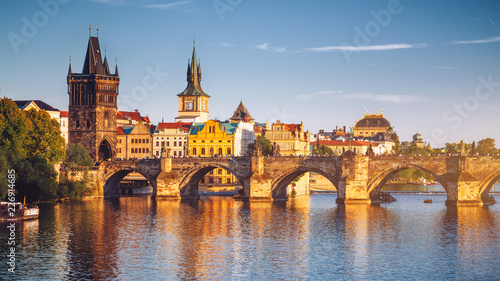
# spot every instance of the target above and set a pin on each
(358, 179)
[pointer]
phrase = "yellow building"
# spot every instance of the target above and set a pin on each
(134, 141)
(291, 138)
(371, 125)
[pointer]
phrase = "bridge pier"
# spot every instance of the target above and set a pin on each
(260, 184)
(167, 182)
(463, 189)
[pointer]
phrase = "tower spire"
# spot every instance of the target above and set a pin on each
(69, 70)
(116, 67)
(90, 30)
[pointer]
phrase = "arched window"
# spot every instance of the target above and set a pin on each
(202, 151)
(211, 151)
(228, 151)
(220, 151)
(194, 152)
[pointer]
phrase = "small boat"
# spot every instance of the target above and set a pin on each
(15, 211)
(428, 201)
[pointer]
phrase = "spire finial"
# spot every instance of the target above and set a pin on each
(90, 30)
(194, 40)
(97, 31)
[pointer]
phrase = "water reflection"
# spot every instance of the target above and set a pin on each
(308, 237)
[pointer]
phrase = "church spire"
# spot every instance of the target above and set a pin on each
(69, 70)
(116, 67)
(193, 77)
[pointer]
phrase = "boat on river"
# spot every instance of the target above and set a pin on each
(15, 211)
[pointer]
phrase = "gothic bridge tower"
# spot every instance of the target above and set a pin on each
(92, 104)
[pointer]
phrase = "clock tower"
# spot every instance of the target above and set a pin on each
(193, 101)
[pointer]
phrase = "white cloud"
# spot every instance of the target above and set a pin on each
(480, 41)
(167, 6)
(226, 45)
(264, 46)
(367, 48)
(382, 98)
(315, 94)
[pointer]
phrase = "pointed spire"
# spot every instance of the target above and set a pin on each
(106, 66)
(90, 30)
(193, 77)
(69, 70)
(116, 67)
(93, 61)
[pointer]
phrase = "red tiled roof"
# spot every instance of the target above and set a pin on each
(120, 131)
(63, 113)
(131, 114)
(174, 125)
(343, 143)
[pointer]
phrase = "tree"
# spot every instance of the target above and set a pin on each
(78, 155)
(451, 148)
(323, 150)
(267, 147)
(486, 147)
(14, 128)
(35, 179)
(397, 149)
(44, 137)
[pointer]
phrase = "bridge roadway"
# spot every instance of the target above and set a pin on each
(467, 180)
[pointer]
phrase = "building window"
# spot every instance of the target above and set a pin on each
(211, 151)
(147, 140)
(180, 153)
(210, 180)
(211, 172)
(219, 171)
(175, 143)
(203, 151)
(228, 180)
(147, 150)
(219, 180)
(202, 180)
(175, 153)
(157, 143)
(168, 143)
(157, 153)
(194, 151)
(220, 151)
(162, 144)
(229, 151)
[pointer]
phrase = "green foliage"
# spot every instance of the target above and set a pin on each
(293, 193)
(30, 143)
(76, 189)
(35, 179)
(486, 147)
(4, 167)
(14, 128)
(412, 175)
(415, 150)
(267, 147)
(78, 156)
(397, 149)
(44, 137)
(323, 150)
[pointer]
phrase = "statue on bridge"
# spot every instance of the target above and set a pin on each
(275, 149)
(165, 152)
(462, 148)
(258, 148)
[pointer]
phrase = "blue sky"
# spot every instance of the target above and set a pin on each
(431, 65)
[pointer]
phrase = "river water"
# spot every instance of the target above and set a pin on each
(308, 237)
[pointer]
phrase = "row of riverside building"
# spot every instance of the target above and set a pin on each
(93, 120)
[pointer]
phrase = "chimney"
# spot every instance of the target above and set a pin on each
(344, 130)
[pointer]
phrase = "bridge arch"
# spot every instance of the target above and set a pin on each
(280, 183)
(377, 183)
(487, 183)
(113, 177)
(188, 184)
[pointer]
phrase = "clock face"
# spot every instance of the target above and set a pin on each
(189, 105)
(203, 106)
